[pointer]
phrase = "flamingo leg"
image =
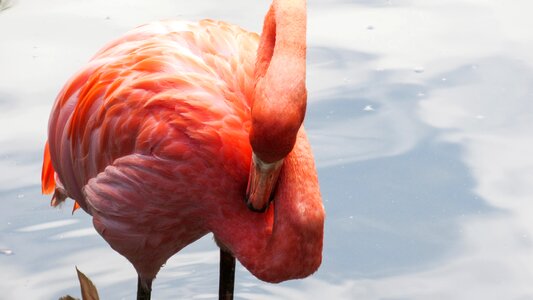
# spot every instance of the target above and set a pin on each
(227, 276)
(144, 289)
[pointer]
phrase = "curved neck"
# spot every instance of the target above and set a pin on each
(284, 36)
(285, 242)
(280, 94)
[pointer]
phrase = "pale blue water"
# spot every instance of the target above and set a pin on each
(420, 115)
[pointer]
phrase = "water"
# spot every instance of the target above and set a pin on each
(419, 115)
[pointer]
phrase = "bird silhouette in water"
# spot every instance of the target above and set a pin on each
(178, 129)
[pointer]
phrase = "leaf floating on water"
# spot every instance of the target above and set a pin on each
(4, 4)
(368, 108)
(6, 251)
(418, 70)
(88, 290)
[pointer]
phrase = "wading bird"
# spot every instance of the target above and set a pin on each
(178, 129)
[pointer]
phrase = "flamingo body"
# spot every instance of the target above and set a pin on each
(151, 138)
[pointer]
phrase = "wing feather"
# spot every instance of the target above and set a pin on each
(48, 183)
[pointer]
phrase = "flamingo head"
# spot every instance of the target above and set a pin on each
(280, 97)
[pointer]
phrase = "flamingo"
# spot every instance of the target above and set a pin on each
(178, 129)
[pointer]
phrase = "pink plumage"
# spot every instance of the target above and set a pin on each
(152, 138)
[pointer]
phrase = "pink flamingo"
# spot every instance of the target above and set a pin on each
(179, 129)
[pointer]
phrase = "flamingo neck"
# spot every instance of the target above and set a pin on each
(284, 35)
(285, 242)
(280, 94)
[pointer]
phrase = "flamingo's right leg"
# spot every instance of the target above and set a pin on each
(144, 289)
(227, 275)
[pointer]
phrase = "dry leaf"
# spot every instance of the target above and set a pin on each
(68, 297)
(88, 290)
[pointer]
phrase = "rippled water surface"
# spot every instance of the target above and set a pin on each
(420, 116)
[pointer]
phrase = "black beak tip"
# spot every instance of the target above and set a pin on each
(252, 208)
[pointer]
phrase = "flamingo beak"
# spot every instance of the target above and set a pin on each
(261, 183)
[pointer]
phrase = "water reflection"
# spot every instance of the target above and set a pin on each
(420, 126)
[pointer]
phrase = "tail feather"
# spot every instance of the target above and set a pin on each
(75, 207)
(48, 182)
